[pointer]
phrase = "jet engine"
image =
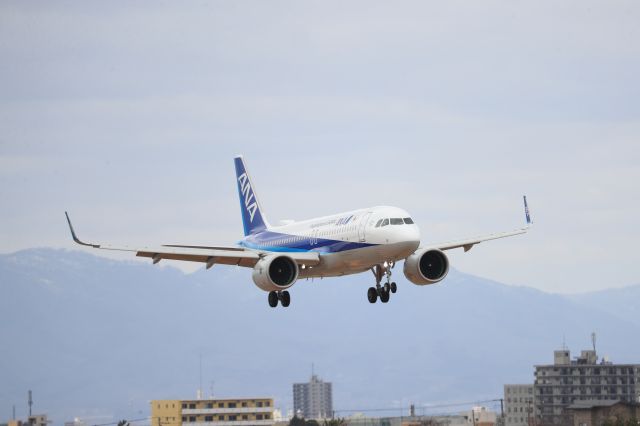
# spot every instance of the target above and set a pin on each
(275, 273)
(426, 266)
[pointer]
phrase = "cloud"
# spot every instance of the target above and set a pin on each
(129, 115)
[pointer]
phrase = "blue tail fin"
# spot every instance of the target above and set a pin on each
(252, 218)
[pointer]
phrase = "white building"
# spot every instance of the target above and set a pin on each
(519, 405)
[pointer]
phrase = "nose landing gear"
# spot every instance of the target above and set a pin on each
(383, 292)
(283, 296)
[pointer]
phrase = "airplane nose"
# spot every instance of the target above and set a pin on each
(410, 234)
(414, 235)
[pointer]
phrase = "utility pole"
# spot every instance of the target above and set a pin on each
(200, 374)
(30, 402)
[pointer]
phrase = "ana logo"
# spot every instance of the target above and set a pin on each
(249, 200)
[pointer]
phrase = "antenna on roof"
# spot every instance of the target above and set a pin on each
(564, 343)
(593, 340)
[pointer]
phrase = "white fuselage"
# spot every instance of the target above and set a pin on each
(348, 243)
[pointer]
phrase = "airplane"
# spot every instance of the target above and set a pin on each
(370, 239)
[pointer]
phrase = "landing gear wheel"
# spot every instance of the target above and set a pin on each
(394, 287)
(384, 296)
(273, 299)
(372, 295)
(387, 287)
(286, 299)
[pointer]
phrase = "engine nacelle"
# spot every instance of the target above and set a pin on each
(425, 267)
(274, 273)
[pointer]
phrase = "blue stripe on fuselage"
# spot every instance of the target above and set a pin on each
(275, 241)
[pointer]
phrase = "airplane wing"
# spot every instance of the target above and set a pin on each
(467, 244)
(209, 255)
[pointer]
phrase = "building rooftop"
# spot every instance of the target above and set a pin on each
(562, 358)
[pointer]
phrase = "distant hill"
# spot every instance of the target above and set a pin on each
(623, 303)
(96, 337)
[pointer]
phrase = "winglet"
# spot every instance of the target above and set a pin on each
(526, 212)
(75, 237)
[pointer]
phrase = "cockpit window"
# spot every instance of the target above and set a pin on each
(385, 222)
(397, 221)
(408, 221)
(379, 223)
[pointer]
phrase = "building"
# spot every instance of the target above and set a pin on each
(518, 405)
(34, 420)
(313, 400)
(594, 413)
(567, 381)
(477, 416)
(213, 412)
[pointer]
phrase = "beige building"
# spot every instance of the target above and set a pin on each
(213, 412)
(35, 420)
(595, 413)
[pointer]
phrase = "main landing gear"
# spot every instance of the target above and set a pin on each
(382, 291)
(283, 296)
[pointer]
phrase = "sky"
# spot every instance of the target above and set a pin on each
(128, 115)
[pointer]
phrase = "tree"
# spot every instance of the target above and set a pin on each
(297, 421)
(339, 421)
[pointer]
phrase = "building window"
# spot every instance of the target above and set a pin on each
(192, 406)
(232, 405)
(192, 419)
(267, 404)
(208, 418)
(220, 404)
(221, 418)
(258, 416)
(209, 405)
(184, 419)
(232, 418)
(267, 416)
(259, 404)
(244, 404)
(184, 405)
(245, 417)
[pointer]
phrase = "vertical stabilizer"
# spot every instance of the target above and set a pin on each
(252, 218)
(526, 211)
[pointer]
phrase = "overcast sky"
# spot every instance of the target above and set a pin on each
(128, 115)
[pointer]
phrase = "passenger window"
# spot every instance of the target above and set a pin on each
(378, 224)
(408, 221)
(385, 222)
(397, 221)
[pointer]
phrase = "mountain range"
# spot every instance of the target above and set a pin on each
(98, 339)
